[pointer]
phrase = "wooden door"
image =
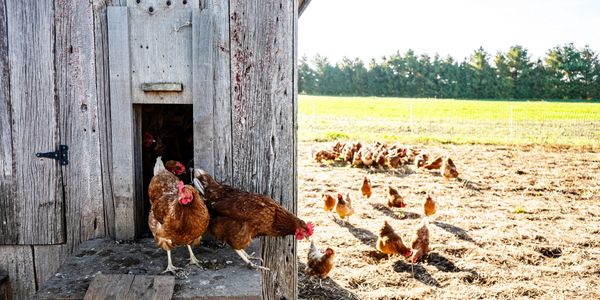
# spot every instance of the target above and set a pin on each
(31, 191)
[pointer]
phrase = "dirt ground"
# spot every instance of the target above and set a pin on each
(521, 223)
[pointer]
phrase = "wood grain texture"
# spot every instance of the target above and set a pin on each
(78, 103)
(38, 205)
(102, 78)
(139, 204)
(262, 64)
(17, 261)
(160, 51)
(121, 114)
(76, 91)
(7, 189)
(223, 165)
(121, 286)
(202, 81)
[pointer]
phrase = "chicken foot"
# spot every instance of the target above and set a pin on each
(170, 267)
(246, 258)
(251, 256)
(193, 259)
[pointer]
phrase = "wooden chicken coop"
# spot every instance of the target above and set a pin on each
(81, 85)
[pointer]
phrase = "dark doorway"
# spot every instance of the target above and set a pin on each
(166, 131)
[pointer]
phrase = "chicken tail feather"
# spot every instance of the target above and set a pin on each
(159, 166)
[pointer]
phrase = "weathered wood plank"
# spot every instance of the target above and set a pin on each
(203, 89)
(161, 51)
(139, 204)
(7, 189)
(39, 203)
(162, 4)
(3, 285)
(76, 91)
(17, 261)
(120, 286)
(104, 120)
(78, 102)
(262, 53)
(151, 287)
(222, 91)
(121, 114)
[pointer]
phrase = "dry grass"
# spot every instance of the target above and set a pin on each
(522, 222)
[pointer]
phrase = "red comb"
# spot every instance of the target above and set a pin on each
(310, 226)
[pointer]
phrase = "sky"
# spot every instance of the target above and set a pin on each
(372, 29)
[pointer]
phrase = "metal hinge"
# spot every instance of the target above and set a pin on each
(62, 155)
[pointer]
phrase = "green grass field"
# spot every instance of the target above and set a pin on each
(325, 118)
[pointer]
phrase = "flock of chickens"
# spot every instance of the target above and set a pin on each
(380, 155)
(388, 241)
(180, 214)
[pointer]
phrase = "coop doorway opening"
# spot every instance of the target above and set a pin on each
(164, 130)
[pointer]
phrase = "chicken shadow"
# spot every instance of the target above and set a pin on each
(364, 236)
(418, 271)
(447, 266)
(457, 231)
(468, 184)
(391, 214)
(327, 289)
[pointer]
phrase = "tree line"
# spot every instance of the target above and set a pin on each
(565, 72)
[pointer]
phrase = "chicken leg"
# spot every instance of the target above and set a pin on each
(245, 257)
(193, 259)
(170, 267)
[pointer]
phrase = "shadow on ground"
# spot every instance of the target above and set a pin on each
(392, 214)
(457, 231)
(364, 236)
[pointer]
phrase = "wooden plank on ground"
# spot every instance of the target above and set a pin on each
(262, 64)
(8, 234)
(203, 89)
(122, 120)
(120, 286)
(222, 91)
(38, 200)
(17, 262)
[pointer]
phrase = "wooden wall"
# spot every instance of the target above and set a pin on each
(254, 126)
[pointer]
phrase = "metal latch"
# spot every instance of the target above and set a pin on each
(62, 155)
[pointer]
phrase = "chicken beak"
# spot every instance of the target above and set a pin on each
(307, 239)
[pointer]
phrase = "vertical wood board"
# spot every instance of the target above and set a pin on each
(7, 189)
(76, 91)
(223, 164)
(161, 52)
(38, 203)
(203, 92)
(104, 117)
(17, 261)
(262, 54)
(122, 121)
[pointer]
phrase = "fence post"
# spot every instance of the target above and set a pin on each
(511, 125)
(410, 124)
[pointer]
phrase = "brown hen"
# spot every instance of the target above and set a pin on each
(390, 243)
(178, 215)
(238, 216)
(394, 199)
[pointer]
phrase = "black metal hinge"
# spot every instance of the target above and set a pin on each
(62, 155)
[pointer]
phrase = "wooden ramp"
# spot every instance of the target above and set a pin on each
(122, 286)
